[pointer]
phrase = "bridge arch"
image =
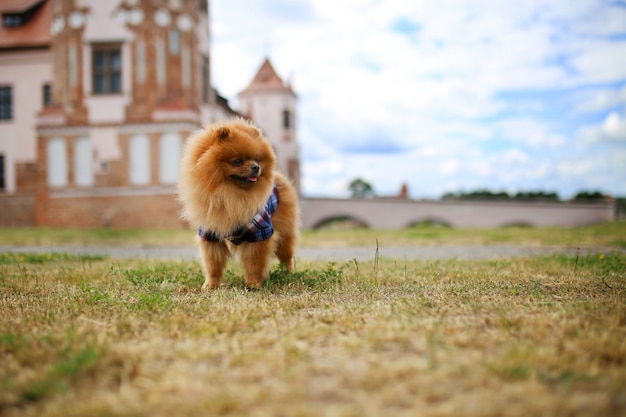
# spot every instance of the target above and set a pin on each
(518, 223)
(400, 213)
(350, 220)
(429, 222)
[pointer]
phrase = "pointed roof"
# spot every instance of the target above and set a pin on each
(266, 79)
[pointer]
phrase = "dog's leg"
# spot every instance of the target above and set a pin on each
(213, 256)
(285, 250)
(257, 260)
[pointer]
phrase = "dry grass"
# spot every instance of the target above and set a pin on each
(99, 337)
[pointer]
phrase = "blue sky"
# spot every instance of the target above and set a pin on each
(452, 95)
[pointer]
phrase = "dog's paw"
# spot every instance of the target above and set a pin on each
(208, 286)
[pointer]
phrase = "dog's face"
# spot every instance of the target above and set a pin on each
(235, 155)
(245, 172)
(240, 156)
(243, 156)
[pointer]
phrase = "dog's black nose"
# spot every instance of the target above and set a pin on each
(255, 168)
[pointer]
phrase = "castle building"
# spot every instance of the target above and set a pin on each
(25, 79)
(96, 100)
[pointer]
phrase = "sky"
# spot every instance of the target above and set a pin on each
(443, 96)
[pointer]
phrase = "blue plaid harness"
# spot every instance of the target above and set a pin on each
(258, 229)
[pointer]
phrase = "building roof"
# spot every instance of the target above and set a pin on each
(222, 102)
(34, 31)
(266, 79)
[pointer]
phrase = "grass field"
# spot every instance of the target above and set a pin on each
(608, 235)
(91, 336)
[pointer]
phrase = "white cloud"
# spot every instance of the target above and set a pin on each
(451, 166)
(417, 91)
(602, 99)
(528, 131)
(614, 127)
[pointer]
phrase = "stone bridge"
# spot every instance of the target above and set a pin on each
(396, 213)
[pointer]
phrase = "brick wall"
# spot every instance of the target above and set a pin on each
(140, 211)
(17, 210)
(26, 177)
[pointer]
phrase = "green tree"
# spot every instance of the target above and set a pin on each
(589, 196)
(536, 196)
(359, 188)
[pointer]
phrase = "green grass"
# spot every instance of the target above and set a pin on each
(609, 235)
(18, 258)
(101, 337)
(95, 237)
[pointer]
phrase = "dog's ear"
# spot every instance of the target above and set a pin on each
(223, 133)
(256, 132)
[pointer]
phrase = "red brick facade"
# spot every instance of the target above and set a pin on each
(112, 201)
(161, 69)
(116, 211)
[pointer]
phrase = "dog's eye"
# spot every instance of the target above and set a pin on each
(237, 162)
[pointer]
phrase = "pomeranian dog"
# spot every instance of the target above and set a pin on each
(239, 203)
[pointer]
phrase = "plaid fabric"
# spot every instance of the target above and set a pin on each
(258, 229)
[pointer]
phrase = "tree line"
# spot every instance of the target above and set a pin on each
(485, 194)
(360, 188)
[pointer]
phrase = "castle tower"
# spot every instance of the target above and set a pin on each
(271, 104)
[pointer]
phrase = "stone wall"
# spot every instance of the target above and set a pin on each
(400, 213)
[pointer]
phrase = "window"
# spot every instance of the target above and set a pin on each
(12, 20)
(169, 155)
(286, 119)
(139, 160)
(57, 163)
(2, 184)
(106, 69)
(161, 62)
(206, 81)
(72, 65)
(22, 17)
(6, 103)
(174, 42)
(186, 67)
(83, 162)
(47, 95)
(203, 6)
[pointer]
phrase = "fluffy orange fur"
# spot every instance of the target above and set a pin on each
(228, 171)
